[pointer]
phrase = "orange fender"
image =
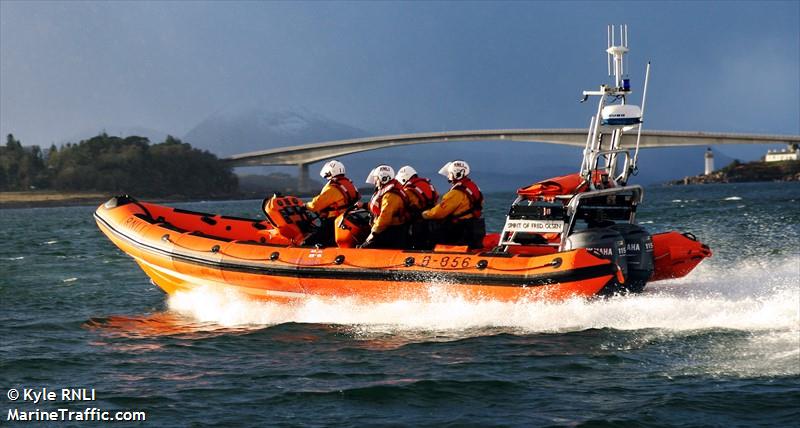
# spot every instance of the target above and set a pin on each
(676, 254)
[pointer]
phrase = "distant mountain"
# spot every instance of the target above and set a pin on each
(238, 131)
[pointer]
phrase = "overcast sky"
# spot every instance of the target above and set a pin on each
(68, 67)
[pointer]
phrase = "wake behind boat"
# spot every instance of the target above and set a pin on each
(569, 236)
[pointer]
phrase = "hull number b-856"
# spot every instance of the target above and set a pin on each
(447, 262)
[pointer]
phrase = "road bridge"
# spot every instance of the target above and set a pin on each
(304, 155)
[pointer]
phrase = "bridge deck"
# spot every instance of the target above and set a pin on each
(311, 153)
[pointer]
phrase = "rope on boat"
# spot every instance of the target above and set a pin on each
(375, 267)
(553, 263)
(340, 260)
(215, 250)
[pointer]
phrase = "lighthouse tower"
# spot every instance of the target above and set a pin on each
(709, 161)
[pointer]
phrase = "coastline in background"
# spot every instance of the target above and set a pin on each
(751, 172)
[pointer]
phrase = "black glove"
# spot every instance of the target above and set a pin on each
(369, 242)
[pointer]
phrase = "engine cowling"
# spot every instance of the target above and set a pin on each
(603, 242)
(638, 255)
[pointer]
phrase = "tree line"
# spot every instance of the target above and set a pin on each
(117, 165)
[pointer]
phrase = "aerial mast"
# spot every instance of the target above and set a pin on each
(605, 163)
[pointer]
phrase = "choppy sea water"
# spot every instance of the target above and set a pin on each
(718, 348)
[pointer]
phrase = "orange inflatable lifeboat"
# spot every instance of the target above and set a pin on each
(180, 250)
(569, 236)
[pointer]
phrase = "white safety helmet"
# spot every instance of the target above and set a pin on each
(380, 175)
(331, 169)
(455, 170)
(405, 173)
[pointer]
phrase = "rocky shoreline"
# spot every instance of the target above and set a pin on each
(756, 171)
(46, 198)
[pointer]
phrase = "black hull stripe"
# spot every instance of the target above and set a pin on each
(392, 275)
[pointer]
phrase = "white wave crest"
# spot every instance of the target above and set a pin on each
(760, 298)
(754, 297)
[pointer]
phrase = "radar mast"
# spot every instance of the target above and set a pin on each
(605, 163)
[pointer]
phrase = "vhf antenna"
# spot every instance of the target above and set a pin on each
(616, 52)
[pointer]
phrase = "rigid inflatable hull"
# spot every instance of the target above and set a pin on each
(178, 259)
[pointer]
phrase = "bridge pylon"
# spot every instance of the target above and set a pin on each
(303, 179)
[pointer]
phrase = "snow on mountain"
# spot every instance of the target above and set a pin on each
(231, 132)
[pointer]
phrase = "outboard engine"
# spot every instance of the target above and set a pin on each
(638, 254)
(603, 242)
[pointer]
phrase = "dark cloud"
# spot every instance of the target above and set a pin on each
(389, 67)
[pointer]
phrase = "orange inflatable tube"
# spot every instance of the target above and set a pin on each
(676, 254)
(180, 250)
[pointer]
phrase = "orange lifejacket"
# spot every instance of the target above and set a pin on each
(289, 216)
(392, 186)
(423, 188)
(601, 180)
(351, 196)
(565, 185)
(475, 199)
(352, 228)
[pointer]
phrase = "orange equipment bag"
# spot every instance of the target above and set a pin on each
(290, 216)
(352, 228)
